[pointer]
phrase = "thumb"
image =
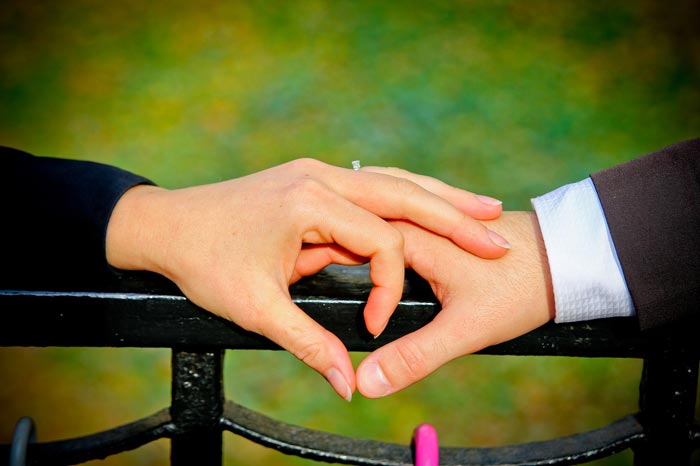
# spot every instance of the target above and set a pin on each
(290, 327)
(411, 358)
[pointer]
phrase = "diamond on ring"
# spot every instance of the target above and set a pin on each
(356, 165)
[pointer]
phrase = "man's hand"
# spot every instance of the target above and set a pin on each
(484, 302)
(234, 247)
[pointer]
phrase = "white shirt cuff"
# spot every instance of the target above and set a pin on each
(586, 274)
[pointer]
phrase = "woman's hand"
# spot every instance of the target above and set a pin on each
(234, 247)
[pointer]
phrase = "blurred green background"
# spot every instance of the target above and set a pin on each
(507, 98)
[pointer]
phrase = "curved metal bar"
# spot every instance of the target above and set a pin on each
(323, 446)
(101, 444)
(23, 436)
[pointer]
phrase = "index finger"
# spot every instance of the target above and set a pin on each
(334, 219)
(286, 324)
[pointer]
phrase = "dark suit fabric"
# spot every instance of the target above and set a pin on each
(55, 214)
(652, 206)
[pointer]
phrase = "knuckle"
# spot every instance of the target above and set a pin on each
(307, 186)
(309, 353)
(394, 240)
(305, 164)
(413, 359)
(462, 229)
(302, 193)
(399, 172)
(406, 188)
(392, 171)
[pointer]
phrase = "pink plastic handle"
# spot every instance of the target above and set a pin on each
(425, 441)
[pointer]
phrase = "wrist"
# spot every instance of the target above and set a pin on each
(132, 239)
(544, 273)
(526, 264)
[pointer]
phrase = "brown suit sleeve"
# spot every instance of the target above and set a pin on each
(652, 206)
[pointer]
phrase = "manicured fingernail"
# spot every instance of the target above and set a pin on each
(488, 200)
(381, 330)
(339, 384)
(374, 382)
(498, 239)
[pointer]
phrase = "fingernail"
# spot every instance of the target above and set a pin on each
(374, 382)
(498, 239)
(488, 200)
(339, 384)
(380, 331)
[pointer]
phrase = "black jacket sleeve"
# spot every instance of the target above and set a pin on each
(652, 206)
(55, 214)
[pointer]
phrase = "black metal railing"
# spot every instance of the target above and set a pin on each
(143, 310)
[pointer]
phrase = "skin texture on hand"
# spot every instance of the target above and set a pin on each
(234, 247)
(483, 302)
